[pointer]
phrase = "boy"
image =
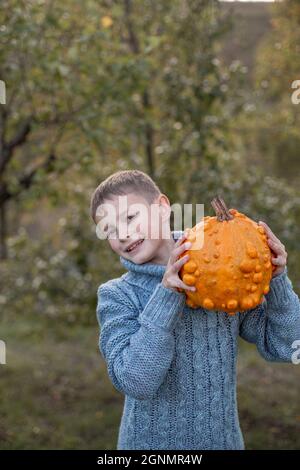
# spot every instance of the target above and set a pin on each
(175, 365)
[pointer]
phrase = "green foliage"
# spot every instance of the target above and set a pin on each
(277, 119)
(56, 276)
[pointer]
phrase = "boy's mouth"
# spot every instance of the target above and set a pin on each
(134, 246)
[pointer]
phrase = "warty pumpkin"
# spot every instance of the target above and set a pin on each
(231, 265)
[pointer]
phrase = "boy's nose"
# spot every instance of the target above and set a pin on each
(124, 238)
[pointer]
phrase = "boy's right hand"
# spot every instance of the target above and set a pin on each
(171, 278)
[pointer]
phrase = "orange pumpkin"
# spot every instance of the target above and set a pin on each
(229, 262)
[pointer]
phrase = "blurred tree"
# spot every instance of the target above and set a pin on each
(139, 80)
(36, 44)
(277, 118)
(110, 86)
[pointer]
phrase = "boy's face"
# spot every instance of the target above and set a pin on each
(133, 227)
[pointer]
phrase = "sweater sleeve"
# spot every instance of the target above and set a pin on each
(275, 324)
(138, 346)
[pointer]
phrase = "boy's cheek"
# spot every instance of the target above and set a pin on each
(113, 245)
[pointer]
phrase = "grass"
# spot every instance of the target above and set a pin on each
(55, 392)
(269, 405)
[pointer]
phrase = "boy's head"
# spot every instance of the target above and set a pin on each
(128, 207)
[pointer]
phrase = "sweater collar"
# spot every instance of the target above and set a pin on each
(148, 268)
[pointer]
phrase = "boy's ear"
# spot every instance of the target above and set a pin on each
(165, 211)
(164, 206)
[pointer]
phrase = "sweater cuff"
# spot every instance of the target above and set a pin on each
(280, 290)
(164, 307)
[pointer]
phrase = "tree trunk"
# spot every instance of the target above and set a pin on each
(149, 139)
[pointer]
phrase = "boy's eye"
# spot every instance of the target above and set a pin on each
(110, 232)
(130, 217)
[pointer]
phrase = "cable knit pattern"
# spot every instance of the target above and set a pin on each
(176, 366)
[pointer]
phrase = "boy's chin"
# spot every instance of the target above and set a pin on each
(139, 258)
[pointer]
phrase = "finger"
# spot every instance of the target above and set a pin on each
(182, 285)
(180, 262)
(273, 244)
(269, 232)
(180, 249)
(279, 261)
(179, 289)
(276, 247)
(277, 242)
(181, 239)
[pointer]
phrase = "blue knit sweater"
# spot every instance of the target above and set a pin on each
(176, 365)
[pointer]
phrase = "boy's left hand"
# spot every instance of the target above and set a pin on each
(279, 253)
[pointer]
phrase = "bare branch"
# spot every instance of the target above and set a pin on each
(8, 148)
(21, 135)
(26, 180)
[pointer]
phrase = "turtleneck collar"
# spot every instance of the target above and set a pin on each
(148, 268)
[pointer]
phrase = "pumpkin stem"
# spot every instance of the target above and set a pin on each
(220, 209)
